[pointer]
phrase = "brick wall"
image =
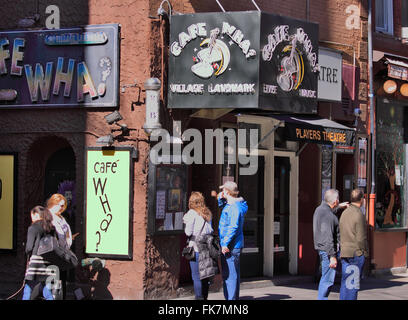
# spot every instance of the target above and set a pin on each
(79, 128)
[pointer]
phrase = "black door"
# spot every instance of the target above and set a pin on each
(251, 188)
(281, 216)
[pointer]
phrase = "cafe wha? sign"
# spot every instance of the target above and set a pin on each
(243, 60)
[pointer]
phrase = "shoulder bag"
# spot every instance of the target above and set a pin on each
(51, 251)
(188, 251)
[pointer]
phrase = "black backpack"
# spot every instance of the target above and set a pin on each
(50, 249)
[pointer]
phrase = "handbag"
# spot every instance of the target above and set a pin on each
(188, 251)
(51, 251)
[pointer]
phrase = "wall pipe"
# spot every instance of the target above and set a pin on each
(371, 212)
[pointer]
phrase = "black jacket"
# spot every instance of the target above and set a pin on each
(326, 234)
(37, 268)
(208, 256)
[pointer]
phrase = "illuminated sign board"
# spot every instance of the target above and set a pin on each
(108, 203)
(60, 68)
(243, 60)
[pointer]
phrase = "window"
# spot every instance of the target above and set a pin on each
(384, 16)
(391, 155)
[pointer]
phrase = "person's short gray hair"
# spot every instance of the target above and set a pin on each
(331, 196)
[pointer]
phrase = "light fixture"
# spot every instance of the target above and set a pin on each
(30, 21)
(161, 11)
(105, 141)
(8, 94)
(404, 89)
(152, 86)
(390, 86)
(113, 117)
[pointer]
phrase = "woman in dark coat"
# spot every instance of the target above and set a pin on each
(199, 230)
(38, 270)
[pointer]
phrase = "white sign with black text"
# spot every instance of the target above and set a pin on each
(330, 77)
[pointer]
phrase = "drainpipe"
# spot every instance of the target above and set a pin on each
(371, 216)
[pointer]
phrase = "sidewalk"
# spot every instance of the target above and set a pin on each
(304, 288)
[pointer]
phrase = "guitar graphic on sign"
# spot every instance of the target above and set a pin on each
(213, 59)
(292, 68)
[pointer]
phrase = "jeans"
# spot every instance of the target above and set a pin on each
(28, 288)
(231, 274)
(327, 279)
(200, 286)
(351, 272)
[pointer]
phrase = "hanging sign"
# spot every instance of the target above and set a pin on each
(243, 60)
(60, 68)
(108, 205)
(330, 75)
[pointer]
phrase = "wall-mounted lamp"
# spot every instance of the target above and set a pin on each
(390, 86)
(152, 87)
(161, 11)
(30, 21)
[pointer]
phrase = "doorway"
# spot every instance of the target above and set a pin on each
(281, 216)
(285, 216)
(251, 188)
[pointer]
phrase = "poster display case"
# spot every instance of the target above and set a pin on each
(168, 187)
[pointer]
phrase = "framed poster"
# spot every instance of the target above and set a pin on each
(167, 199)
(108, 202)
(326, 168)
(8, 203)
(362, 162)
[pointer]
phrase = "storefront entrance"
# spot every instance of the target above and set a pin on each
(281, 216)
(285, 208)
(252, 190)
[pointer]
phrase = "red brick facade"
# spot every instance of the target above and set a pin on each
(156, 268)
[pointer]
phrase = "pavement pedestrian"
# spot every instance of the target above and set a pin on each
(231, 237)
(353, 246)
(37, 271)
(57, 204)
(326, 240)
(198, 229)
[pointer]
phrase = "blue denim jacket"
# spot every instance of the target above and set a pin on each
(231, 223)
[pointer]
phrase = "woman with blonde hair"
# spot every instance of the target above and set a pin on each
(199, 232)
(57, 204)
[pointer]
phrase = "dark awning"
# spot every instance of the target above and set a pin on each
(313, 129)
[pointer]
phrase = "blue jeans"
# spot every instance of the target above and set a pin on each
(28, 288)
(327, 279)
(200, 286)
(351, 272)
(231, 274)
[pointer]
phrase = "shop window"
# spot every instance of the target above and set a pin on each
(391, 150)
(168, 185)
(384, 16)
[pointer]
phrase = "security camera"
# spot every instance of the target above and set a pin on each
(113, 117)
(106, 141)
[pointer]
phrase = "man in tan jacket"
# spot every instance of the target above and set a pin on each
(353, 246)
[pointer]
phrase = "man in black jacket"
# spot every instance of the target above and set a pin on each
(326, 240)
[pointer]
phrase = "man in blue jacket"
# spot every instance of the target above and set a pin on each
(231, 237)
